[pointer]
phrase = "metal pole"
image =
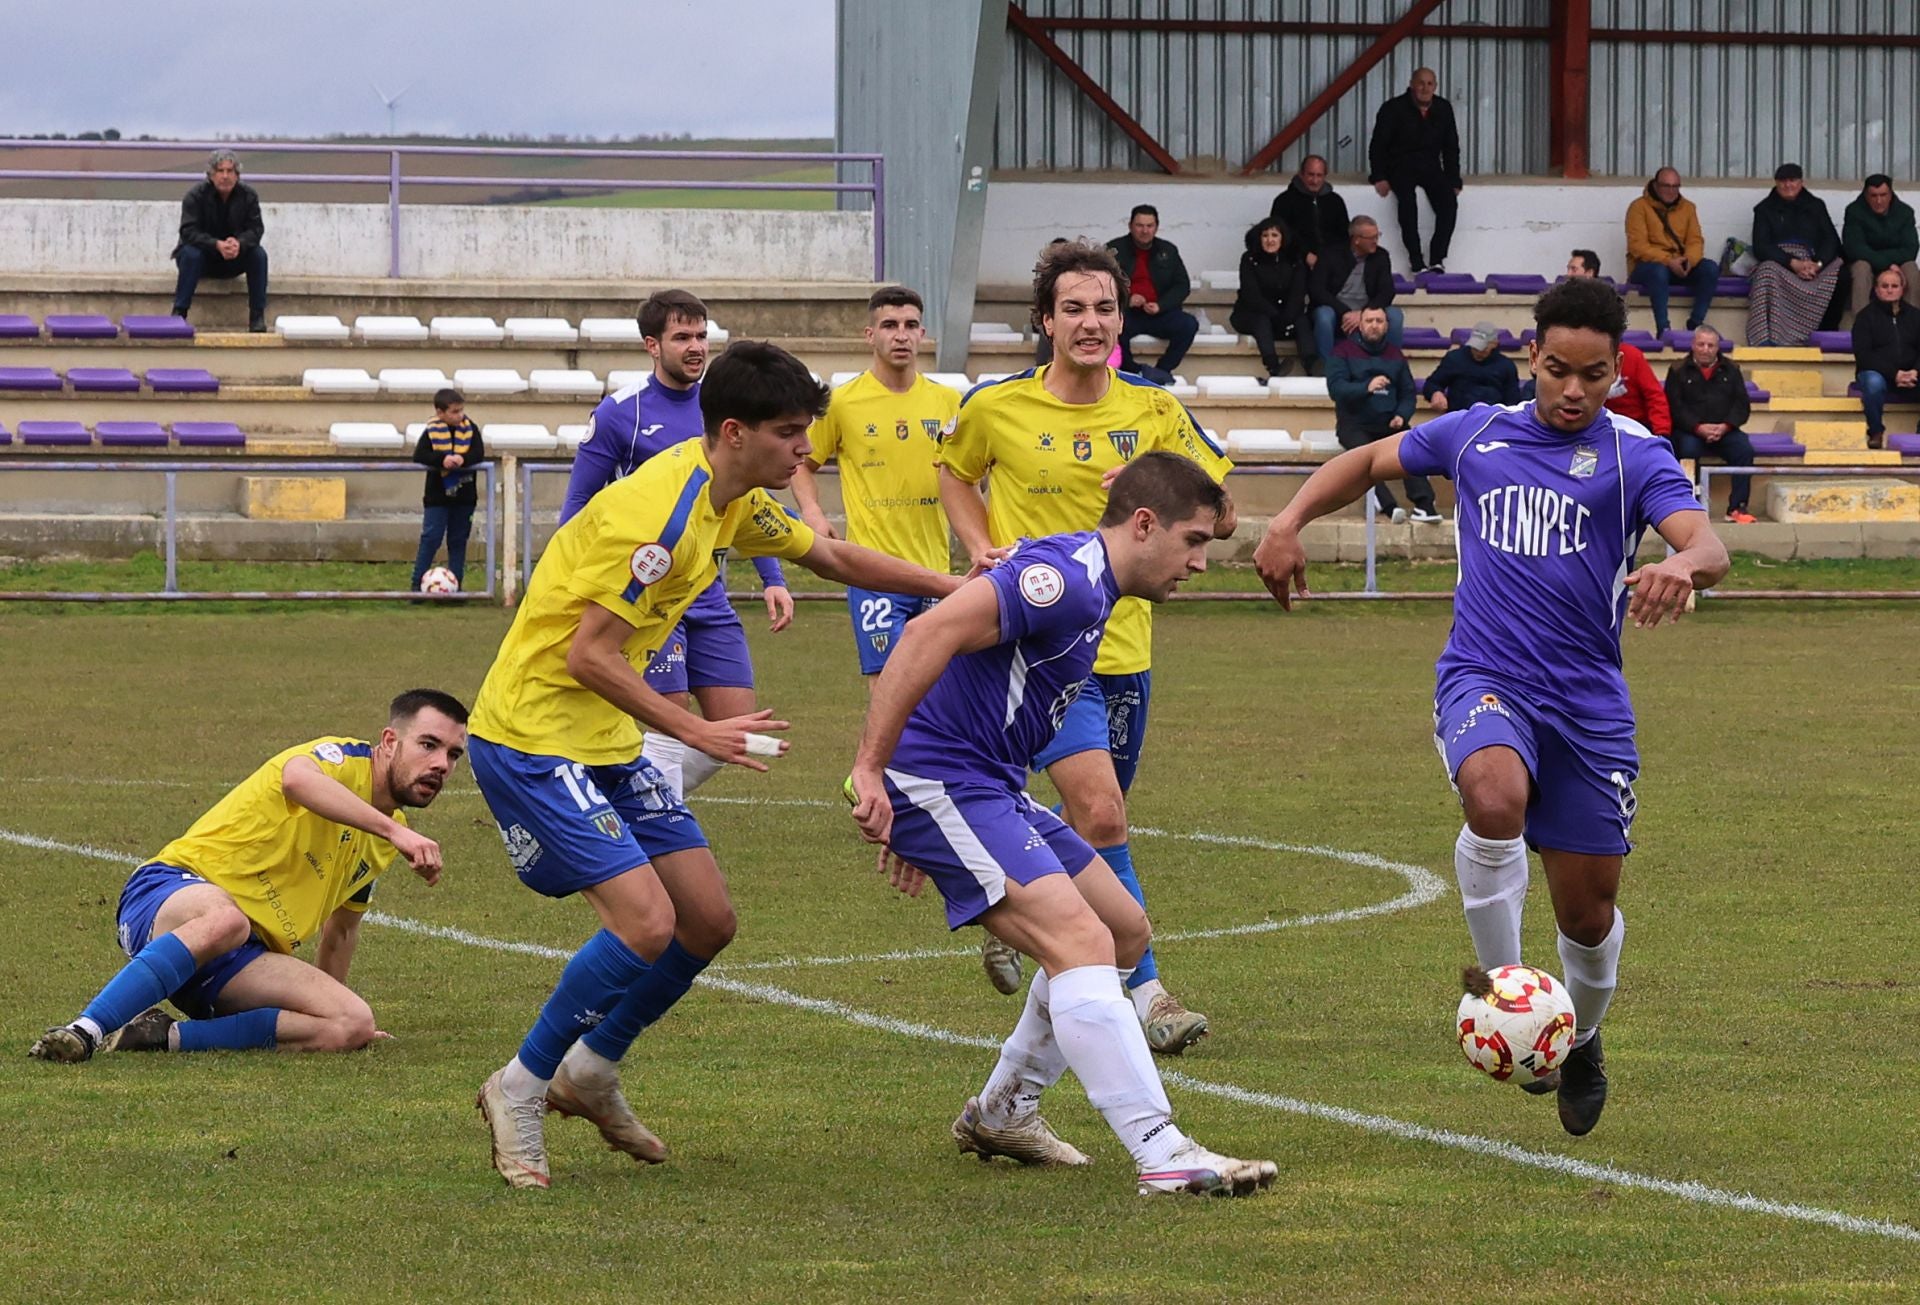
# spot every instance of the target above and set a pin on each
(493, 524)
(173, 549)
(1373, 584)
(393, 215)
(879, 218)
(523, 569)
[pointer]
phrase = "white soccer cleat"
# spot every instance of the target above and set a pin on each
(1002, 964)
(1196, 1171)
(519, 1137)
(1030, 1141)
(606, 1109)
(1170, 1027)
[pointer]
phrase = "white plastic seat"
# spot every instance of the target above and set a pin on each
(1183, 389)
(1261, 441)
(1232, 387)
(952, 380)
(611, 330)
(387, 329)
(413, 380)
(540, 330)
(467, 330)
(988, 378)
(365, 435)
(571, 382)
(415, 430)
(1228, 280)
(310, 328)
(617, 381)
(339, 380)
(1297, 387)
(1319, 441)
(995, 333)
(570, 437)
(509, 437)
(841, 378)
(490, 380)
(716, 333)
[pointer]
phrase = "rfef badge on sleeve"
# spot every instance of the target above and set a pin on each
(1585, 462)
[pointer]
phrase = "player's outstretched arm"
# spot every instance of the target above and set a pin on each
(339, 936)
(806, 492)
(866, 568)
(966, 622)
(1699, 561)
(302, 781)
(1280, 559)
(966, 512)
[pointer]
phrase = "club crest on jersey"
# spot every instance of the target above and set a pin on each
(1124, 441)
(1042, 585)
(1585, 462)
(650, 563)
(931, 425)
(608, 823)
(1082, 446)
(902, 429)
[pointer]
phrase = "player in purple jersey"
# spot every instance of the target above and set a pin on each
(973, 689)
(1531, 712)
(707, 653)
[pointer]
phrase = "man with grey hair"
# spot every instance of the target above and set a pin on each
(220, 230)
(1348, 278)
(1416, 149)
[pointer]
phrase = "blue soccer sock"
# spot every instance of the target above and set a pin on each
(1120, 858)
(598, 976)
(666, 983)
(156, 972)
(246, 1031)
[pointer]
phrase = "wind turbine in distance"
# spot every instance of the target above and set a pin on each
(389, 101)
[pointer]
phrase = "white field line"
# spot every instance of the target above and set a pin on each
(1565, 1166)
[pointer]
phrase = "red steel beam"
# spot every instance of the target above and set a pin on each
(1616, 35)
(1556, 69)
(1416, 14)
(1575, 18)
(1018, 20)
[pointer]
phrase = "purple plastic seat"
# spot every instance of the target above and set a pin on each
(29, 378)
(103, 380)
(81, 326)
(143, 326)
(181, 380)
(1832, 341)
(1450, 283)
(208, 435)
(1731, 287)
(1403, 285)
(1775, 444)
(18, 326)
(1516, 283)
(1907, 446)
(1507, 341)
(1644, 341)
(54, 432)
(1422, 337)
(1757, 395)
(131, 434)
(6, 436)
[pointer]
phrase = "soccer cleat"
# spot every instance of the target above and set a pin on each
(606, 1109)
(1583, 1087)
(1172, 1028)
(1541, 1086)
(517, 1129)
(1031, 1141)
(63, 1044)
(1425, 516)
(1002, 964)
(146, 1031)
(1196, 1171)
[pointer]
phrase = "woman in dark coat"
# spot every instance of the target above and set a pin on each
(1272, 303)
(1792, 291)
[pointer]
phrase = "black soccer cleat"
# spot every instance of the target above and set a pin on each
(146, 1031)
(1583, 1087)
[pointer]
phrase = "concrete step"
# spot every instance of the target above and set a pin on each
(1784, 381)
(1842, 499)
(1827, 435)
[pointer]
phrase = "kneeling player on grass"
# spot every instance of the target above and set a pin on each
(1531, 713)
(557, 745)
(212, 921)
(974, 689)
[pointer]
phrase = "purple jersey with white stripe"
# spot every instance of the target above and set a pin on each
(628, 427)
(991, 711)
(1547, 530)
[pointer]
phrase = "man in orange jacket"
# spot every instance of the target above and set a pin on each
(1664, 245)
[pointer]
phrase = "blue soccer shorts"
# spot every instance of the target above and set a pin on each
(708, 649)
(147, 890)
(1583, 771)
(878, 620)
(1110, 715)
(569, 826)
(971, 839)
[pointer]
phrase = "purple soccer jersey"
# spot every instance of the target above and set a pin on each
(1548, 526)
(628, 427)
(991, 711)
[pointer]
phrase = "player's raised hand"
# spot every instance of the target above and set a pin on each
(737, 740)
(1660, 592)
(984, 562)
(872, 808)
(904, 878)
(422, 853)
(779, 607)
(1282, 563)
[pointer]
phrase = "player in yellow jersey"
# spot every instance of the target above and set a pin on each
(212, 922)
(556, 738)
(884, 427)
(1046, 442)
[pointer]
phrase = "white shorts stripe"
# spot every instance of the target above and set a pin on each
(930, 796)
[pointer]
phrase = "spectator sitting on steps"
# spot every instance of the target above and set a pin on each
(220, 230)
(1349, 277)
(1312, 210)
(1373, 395)
(1272, 303)
(1475, 372)
(1878, 233)
(1157, 284)
(1708, 396)
(1886, 350)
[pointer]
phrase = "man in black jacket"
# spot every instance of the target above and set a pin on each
(1708, 396)
(1157, 284)
(220, 230)
(1349, 277)
(1416, 147)
(1312, 210)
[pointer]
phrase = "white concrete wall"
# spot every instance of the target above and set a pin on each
(503, 242)
(1504, 226)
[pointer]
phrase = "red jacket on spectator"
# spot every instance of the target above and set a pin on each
(1637, 394)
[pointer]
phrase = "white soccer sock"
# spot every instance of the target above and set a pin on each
(1592, 973)
(90, 1028)
(697, 769)
(1030, 1062)
(585, 1065)
(667, 755)
(1142, 996)
(519, 1084)
(1493, 888)
(1102, 1040)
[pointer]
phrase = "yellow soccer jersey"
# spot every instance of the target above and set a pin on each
(1043, 461)
(887, 444)
(287, 867)
(643, 548)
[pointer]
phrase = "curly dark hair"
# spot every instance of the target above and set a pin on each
(1064, 257)
(1582, 304)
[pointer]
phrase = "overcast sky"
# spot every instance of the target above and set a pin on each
(303, 67)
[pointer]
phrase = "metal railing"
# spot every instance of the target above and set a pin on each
(170, 528)
(1732, 538)
(395, 177)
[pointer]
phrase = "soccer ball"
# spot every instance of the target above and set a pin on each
(1516, 1023)
(439, 580)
